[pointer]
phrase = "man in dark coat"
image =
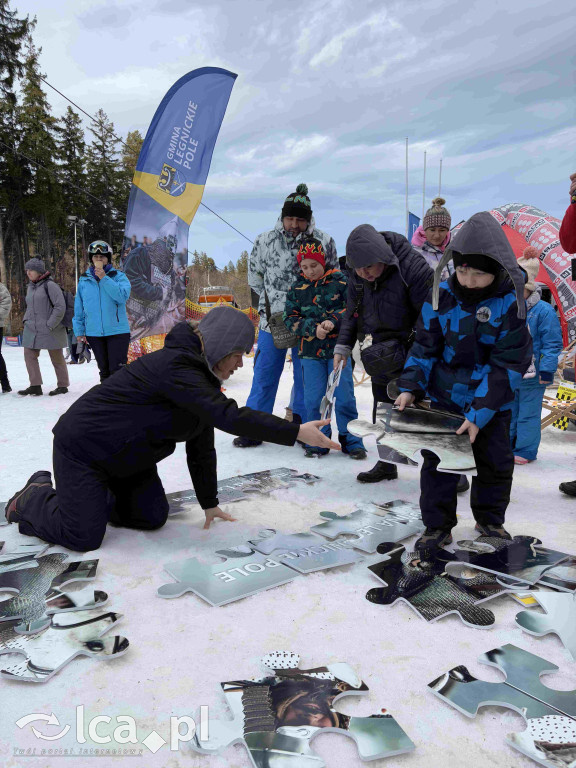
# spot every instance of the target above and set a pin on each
(107, 445)
(388, 283)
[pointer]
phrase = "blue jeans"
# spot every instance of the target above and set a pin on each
(268, 367)
(525, 432)
(316, 374)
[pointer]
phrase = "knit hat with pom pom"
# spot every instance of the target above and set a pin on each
(437, 215)
(530, 263)
(298, 204)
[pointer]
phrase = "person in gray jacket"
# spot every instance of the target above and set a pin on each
(5, 307)
(45, 308)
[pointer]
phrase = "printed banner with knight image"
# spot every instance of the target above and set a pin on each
(167, 189)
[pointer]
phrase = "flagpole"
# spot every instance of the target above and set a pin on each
(424, 189)
(406, 186)
(440, 179)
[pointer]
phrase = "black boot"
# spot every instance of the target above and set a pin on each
(382, 471)
(463, 484)
(31, 390)
(245, 442)
(6, 386)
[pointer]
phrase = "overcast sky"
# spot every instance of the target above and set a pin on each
(327, 91)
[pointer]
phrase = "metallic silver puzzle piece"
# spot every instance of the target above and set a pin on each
(401, 435)
(433, 593)
(277, 716)
(236, 488)
(374, 524)
(306, 552)
(38, 591)
(522, 560)
(551, 715)
(561, 577)
(560, 618)
(327, 404)
(67, 636)
(225, 582)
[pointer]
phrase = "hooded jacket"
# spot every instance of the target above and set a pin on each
(546, 339)
(273, 267)
(389, 306)
(134, 419)
(100, 305)
(308, 304)
(470, 357)
(43, 327)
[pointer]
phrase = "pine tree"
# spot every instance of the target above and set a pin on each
(37, 133)
(242, 264)
(104, 176)
(13, 33)
(130, 151)
(72, 157)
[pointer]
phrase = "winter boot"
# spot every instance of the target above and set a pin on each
(59, 391)
(493, 531)
(358, 454)
(5, 386)
(15, 505)
(569, 487)
(381, 471)
(36, 390)
(245, 442)
(431, 541)
(463, 484)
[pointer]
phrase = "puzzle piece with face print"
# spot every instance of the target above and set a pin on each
(521, 559)
(38, 587)
(432, 592)
(277, 716)
(373, 524)
(237, 488)
(243, 573)
(69, 635)
(550, 736)
(560, 618)
(402, 435)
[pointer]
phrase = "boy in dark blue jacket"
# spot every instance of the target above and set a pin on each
(314, 308)
(471, 350)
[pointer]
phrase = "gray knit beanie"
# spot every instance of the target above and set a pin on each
(36, 264)
(437, 215)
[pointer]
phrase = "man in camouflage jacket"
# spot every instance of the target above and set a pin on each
(272, 270)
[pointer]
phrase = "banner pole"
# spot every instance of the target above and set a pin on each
(440, 179)
(407, 225)
(424, 188)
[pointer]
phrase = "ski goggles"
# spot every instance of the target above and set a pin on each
(99, 247)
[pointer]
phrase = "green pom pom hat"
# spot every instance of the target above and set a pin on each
(298, 204)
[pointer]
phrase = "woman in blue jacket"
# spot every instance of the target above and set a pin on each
(100, 310)
(547, 340)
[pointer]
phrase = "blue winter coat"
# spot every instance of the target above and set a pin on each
(546, 339)
(100, 305)
(469, 358)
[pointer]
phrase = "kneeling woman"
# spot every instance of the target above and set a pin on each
(107, 445)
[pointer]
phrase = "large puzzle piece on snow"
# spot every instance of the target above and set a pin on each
(67, 636)
(374, 524)
(401, 435)
(242, 574)
(235, 488)
(277, 716)
(561, 577)
(550, 737)
(521, 559)
(560, 618)
(306, 552)
(327, 404)
(22, 555)
(431, 592)
(38, 587)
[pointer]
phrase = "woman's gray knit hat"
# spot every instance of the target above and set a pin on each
(36, 264)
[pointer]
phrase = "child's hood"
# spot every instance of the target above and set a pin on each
(482, 234)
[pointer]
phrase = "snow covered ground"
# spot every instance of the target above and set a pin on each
(181, 649)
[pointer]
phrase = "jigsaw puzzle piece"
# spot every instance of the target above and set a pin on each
(550, 741)
(373, 524)
(521, 559)
(306, 552)
(67, 637)
(22, 554)
(34, 584)
(219, 583)
(426, 589)
(560, 619)
(561, 577)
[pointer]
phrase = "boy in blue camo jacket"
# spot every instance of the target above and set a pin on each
(471, 350)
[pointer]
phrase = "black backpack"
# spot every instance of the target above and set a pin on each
(69, 300)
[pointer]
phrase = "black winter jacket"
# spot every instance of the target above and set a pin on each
(391, 304)
(135, 418)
